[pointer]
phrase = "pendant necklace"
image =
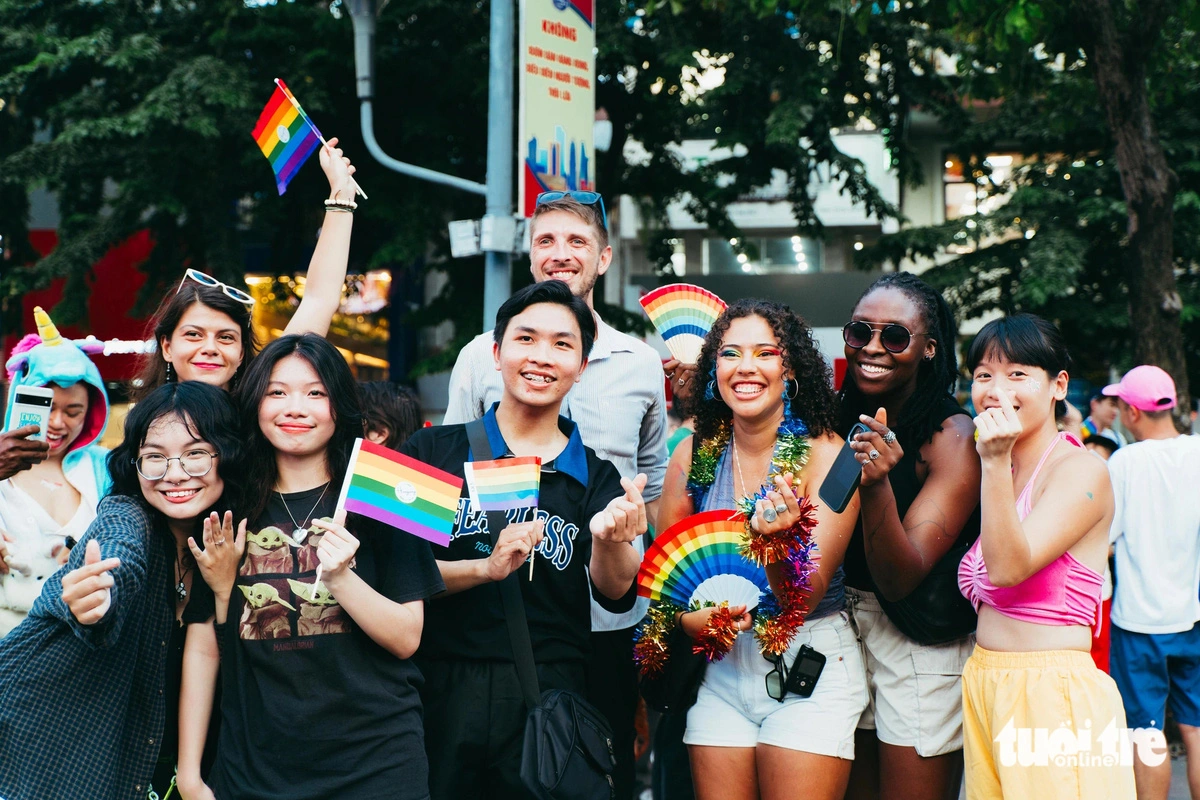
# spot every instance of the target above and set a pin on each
(738, 466)
(298, 531)
(181, 592)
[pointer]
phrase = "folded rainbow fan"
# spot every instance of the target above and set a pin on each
(697, 560)
(683, 315)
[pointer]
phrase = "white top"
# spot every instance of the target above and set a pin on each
(618, 404)
(37, 538)
(1156, 530)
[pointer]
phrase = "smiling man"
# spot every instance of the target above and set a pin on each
(580, 537)
(620, 409)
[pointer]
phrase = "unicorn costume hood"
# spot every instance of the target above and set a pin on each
(47, 358)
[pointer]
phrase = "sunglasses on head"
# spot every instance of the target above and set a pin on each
(587, 198)
(894, 338)
(204, 279)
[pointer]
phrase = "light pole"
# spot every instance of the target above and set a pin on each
(498, 191)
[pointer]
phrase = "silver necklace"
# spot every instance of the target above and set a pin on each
(738, 466)
(296, 529)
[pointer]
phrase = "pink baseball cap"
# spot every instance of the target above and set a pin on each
(1146, 387)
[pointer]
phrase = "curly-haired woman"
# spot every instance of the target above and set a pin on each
(920, 501)
(764, 441)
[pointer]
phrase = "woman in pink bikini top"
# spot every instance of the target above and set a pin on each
(1046, 509)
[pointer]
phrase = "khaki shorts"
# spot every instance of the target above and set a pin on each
(915, 690)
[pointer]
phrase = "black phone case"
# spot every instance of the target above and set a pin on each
(842, 479)
(802, 682)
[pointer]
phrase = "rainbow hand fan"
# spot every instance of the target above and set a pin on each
(698, 559)
(683, 315)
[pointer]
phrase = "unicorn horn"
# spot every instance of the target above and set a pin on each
(46, 328)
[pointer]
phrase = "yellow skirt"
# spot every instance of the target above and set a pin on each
(1043, 725)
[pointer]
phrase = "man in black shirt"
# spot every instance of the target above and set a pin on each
(581, 534)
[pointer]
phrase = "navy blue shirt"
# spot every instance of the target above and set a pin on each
(82, 706)
(574, 487)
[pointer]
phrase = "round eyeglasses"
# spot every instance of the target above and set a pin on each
(194, 463)
(894, 338)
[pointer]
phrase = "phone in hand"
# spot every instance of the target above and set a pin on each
(31, 406)
(806, 669)
(842, 479)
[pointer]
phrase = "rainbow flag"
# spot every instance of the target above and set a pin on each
(505, 483)
(401, 491)
(286, 135)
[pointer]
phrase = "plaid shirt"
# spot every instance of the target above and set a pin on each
(81, 706)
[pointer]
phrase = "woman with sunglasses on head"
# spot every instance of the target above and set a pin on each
(920, 498)
(204, 331)
(1035, 576)
(764, 442)
(89, 681)
(314, 629)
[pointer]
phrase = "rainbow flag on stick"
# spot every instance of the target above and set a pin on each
(401, 491)
(286, 135)
(505, 483)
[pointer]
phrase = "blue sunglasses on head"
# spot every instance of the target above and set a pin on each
(587, 198)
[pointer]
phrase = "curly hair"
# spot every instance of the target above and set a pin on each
(814, 402)
(921, 417)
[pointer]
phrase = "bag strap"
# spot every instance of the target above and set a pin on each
(510, 589)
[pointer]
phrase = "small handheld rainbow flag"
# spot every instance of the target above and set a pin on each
(286, 135)
(401, 491)
(505, 483)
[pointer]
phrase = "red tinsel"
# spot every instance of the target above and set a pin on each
(651, 656)
(717, 637)
(769, 548)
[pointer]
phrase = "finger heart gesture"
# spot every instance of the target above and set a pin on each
(876, 448)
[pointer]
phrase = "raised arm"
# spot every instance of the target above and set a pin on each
(900, 553)
(614, 563)
(327, 270)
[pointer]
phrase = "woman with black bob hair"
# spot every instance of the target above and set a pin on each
(89, 681)
(319, 697)
(920, 512)
(1035, 575)
(764, 443)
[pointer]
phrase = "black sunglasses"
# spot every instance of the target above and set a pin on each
(587, 198)
(894, 338)
(776, 678)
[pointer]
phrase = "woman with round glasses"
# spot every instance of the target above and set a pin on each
(89, 682)
(204, 331)
(920, 510)
(764, 442)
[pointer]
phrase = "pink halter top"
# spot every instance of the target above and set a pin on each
(1064, 592)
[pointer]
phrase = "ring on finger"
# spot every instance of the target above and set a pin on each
(874, 454)
(769, 515)
(781, 508)
(218, 542)
(889, 437)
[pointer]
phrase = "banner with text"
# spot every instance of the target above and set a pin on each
(558, 99)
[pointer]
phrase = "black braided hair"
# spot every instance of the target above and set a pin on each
(921, 417)
(814, 402)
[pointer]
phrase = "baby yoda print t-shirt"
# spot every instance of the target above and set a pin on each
(312, 707)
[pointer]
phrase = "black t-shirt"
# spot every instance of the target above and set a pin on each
(311, 706)
(471, 624)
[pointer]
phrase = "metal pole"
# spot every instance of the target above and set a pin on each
(497, 277)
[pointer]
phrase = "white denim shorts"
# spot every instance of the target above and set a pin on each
(915, 689)
(733, 708)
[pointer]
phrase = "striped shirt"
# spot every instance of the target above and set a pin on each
(618, 405)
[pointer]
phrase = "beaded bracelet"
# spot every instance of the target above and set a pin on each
(341, 205)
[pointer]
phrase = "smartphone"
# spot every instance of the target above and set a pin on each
(806, 669)
(842, 479)
(31, 406)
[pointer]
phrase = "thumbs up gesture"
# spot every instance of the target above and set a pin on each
(624, 518)
(87, 591)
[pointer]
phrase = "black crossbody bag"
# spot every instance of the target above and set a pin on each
(567, 753)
